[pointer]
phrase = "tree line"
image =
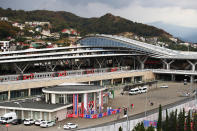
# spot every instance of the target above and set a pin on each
(173, 121)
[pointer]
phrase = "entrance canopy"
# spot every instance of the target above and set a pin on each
(73, 89)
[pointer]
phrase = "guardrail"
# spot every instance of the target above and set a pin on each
(31, 76)
(165, 71)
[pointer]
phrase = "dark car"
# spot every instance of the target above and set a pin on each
(17, 121)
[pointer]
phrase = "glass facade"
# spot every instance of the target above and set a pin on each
(106, 82)
(36, 91)
(95, 83)
(59, 98)
(137, 79)
(70, 98)
(3, 96)
(18, 94)
(107, 42)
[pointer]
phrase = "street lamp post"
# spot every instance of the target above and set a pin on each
(195, 91)
(128, 127)
(145, 104)
(18, 103)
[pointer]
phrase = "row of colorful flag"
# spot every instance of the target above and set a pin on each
(100, 115)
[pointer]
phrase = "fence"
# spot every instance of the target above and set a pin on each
(31, 76)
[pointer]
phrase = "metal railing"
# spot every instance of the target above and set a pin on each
(31, 76)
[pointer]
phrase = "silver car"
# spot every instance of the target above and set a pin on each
(70, 126)
(47, 124)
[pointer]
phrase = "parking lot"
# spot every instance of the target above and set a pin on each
(156, 95)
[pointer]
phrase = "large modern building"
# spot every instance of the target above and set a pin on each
(97, 60)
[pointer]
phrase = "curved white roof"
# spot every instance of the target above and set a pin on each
(157, 51)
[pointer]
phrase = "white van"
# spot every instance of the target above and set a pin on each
(8, 117)
(143, 89)
(134, 91)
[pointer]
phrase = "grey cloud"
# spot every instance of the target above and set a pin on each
(110, 3)
(40, 4)
(188, 4)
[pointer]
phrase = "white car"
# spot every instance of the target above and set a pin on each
(143, 89)
(38, 122)
(29, 122)
(164, 86)
(70, 126)
(134, 91)
(47, 124)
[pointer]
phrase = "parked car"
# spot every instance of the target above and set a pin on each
(28, 122)
(17, 121)
(134, 91)
(38, 122)
(143, 89)
(70, 126)
(8, 117)
(47, 124)
(164, 86)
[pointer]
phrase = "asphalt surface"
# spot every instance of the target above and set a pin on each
(164, 96)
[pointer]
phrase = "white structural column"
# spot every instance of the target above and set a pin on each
(173, 77)
(100, 101)
(41, 115)
(142, 61)
(192, 64)
(22, 68)
(46, 97)
(50, 116)
(85, 99)
(52, 98)
(31, 114)
(22, 114)
(167, 63)
(29, 92)
(191, 78)
(8, 95)
(65, 99)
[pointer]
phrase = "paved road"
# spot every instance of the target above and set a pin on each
(163, 96)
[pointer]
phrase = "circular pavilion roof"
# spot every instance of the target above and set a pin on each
(73, 89)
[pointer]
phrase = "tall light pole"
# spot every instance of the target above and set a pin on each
(18, 103)
(195, 90)
(145, 104)
(128, 127)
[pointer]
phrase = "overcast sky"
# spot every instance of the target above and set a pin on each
(178, 12)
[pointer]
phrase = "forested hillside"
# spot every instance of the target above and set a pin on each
(107, 24)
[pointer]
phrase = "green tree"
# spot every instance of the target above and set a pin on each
(175, 120)
(165, 127)
(159, 125)
(188, 122)
(172, 122)
(6, 30)
(120, 128)
(139, 127)
(181, 121)
(150, 128)
(195, 123)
